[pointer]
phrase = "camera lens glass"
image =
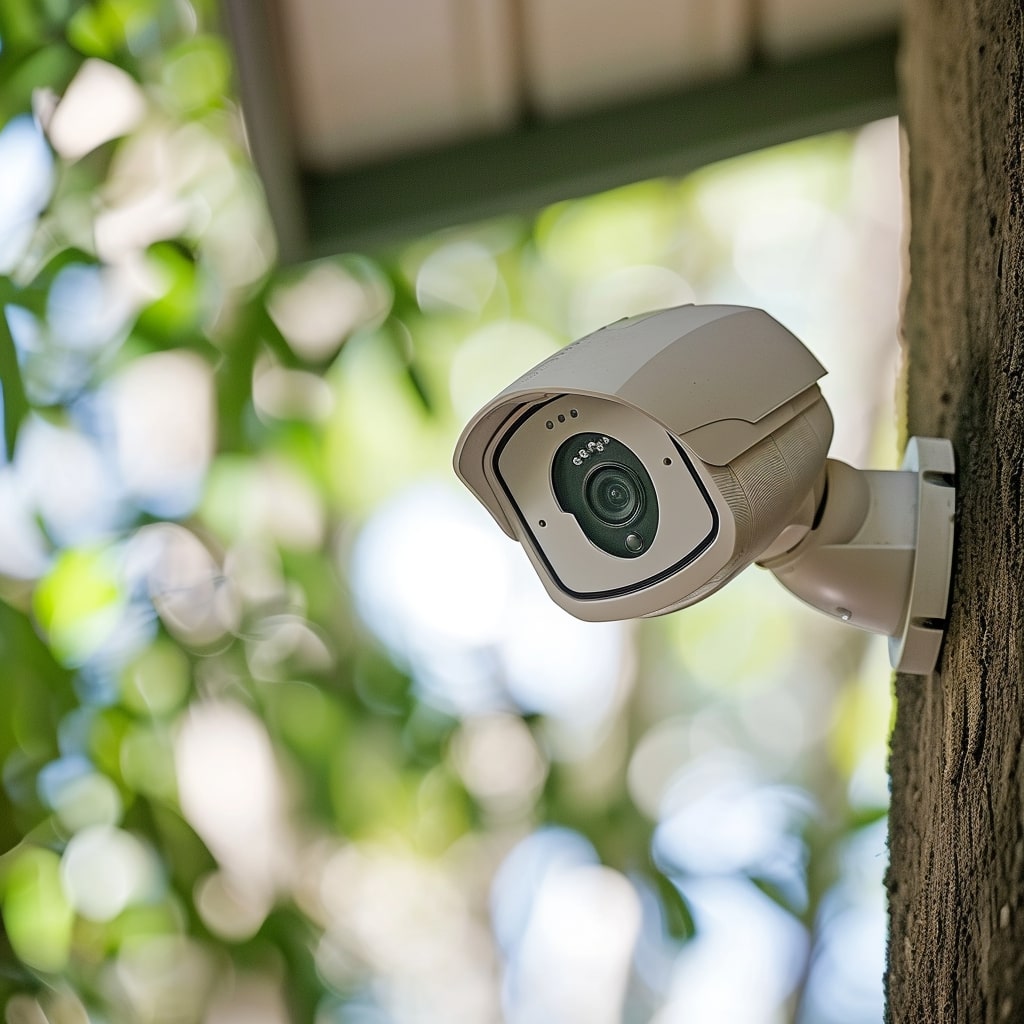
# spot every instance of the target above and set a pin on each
(606, 487)
(614, 494)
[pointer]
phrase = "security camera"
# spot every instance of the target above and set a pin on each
(645, 465)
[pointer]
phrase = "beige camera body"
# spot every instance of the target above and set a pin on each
(646, 464)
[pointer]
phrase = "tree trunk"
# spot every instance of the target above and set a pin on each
(956, 876)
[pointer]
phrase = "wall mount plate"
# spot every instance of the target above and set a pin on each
(915, 649)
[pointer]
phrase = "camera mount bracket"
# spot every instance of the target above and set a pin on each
(880, 552)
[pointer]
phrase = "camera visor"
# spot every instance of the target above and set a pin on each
(606, 487)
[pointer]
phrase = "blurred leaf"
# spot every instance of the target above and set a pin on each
(776, 893)
(679, 921)
(78, 603)
(51, 66)
(146, 761)
(144, 921)
(37, 916)
(381, 686)
(229, 482)
(427, 732)
(157, 680)
(14, 976)
(12, 388)
(310, 721)
(370, 792)
(862, 723)
(419, 387)
(92, 31)
(401, 341)
(300, 443)
(862, 817)
(183, 853)
(377, 440)
(106, 28)
(21, 777)
(292, 937)
(235, 417)
(446, 811)
(175, 316)
(63, 258)
(275, 340)
(30, 672)
(109, 727)
(22, 24)
(197, 73)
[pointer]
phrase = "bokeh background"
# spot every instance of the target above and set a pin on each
(288, 729)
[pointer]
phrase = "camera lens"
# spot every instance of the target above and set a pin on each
(606, 487)
(614, 495)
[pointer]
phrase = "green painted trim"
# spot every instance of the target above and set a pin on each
(376, 205)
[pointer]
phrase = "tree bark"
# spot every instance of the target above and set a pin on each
(956, 838)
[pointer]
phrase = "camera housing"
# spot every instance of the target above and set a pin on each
(645, 465)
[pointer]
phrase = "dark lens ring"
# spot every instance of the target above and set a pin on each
(614, 495)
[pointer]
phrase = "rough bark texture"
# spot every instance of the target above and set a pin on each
(956, 880)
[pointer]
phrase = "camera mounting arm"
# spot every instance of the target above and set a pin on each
(880, 552)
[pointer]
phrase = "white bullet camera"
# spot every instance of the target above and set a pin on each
(646, 464)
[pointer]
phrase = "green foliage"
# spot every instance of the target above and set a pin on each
(15, 404)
